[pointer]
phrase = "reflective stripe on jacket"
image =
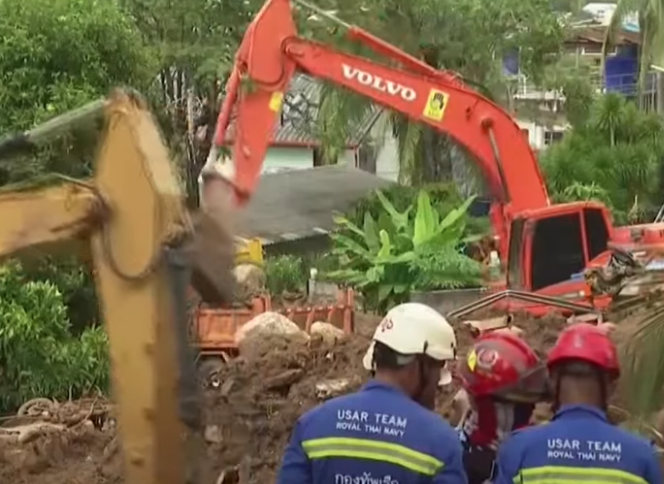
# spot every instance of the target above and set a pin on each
(375, 436)
(578, 446)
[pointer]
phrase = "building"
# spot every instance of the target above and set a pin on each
(542, 113)
(294, 143)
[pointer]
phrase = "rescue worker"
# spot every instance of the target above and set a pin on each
(504, 379)
(387, 432)
(579, 444)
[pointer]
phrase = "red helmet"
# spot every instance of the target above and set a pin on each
(502, 363)
(585, 342)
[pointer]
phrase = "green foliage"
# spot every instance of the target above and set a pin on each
(444, 197)
(614, 157)
(58, 55)
(285, 274)
(77, 50)
(399, 251)
(75, 283)
(572, 76)
(38, 355)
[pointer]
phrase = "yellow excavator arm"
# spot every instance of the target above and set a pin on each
(144, 245)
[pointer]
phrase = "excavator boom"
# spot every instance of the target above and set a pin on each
(143, 243)
(271, 53)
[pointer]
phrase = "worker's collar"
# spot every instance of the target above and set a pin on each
(580, 410)
(379, 385)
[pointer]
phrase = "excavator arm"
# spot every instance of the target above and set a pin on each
(143, 244)
(271, 53)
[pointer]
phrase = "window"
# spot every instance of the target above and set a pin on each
(597, 232)
(557, 250)
(514, 261)
(551, 137)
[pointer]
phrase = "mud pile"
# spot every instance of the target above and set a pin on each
(250, 409)
(251, 412)
(53, 443)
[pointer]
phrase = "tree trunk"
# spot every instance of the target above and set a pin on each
(660, 92)
(435, 149)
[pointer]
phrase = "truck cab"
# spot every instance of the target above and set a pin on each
(549, 248)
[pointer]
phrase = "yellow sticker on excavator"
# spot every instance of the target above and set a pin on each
(436, 105)
(276, 101)
(472, 360)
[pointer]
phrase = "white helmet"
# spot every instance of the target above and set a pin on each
(414, 328)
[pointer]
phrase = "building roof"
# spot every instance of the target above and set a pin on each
(301, 203)
(595, 33)
(297, 124)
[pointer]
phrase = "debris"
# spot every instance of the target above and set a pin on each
(277, 378)
(283, 380)
(212, 434)
(332, 388)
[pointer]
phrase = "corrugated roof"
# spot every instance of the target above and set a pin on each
(597, 33)
(296, 125)
(300, 203)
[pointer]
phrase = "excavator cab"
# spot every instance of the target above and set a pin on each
(550, 247)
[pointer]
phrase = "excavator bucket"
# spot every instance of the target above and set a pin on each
(213, 245)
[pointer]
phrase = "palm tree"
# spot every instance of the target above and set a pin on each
(612, 156)
(651, 29)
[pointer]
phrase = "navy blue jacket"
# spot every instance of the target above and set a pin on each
(375, 436)
(578, 445)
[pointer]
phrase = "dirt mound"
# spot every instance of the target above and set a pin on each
(250, 410)
(253, 410)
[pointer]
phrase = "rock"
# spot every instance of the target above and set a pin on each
(329, 333)
(267, 329)
(251, 281)
(212, 434)
(270, 324)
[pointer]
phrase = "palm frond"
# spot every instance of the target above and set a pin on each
(623, 9)
(643, 364)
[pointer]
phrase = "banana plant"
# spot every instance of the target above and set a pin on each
(382, 258)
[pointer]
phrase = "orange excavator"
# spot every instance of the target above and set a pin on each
(546, 248)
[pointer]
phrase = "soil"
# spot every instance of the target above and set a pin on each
(250, 410)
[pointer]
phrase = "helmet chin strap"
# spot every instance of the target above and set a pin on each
(422, 375)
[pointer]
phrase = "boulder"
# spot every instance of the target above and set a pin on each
(267, 329)
(251, 281)
(329, 333)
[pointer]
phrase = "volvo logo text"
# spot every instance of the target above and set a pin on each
(379, 84)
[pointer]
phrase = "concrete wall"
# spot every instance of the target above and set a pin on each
(387, 159)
